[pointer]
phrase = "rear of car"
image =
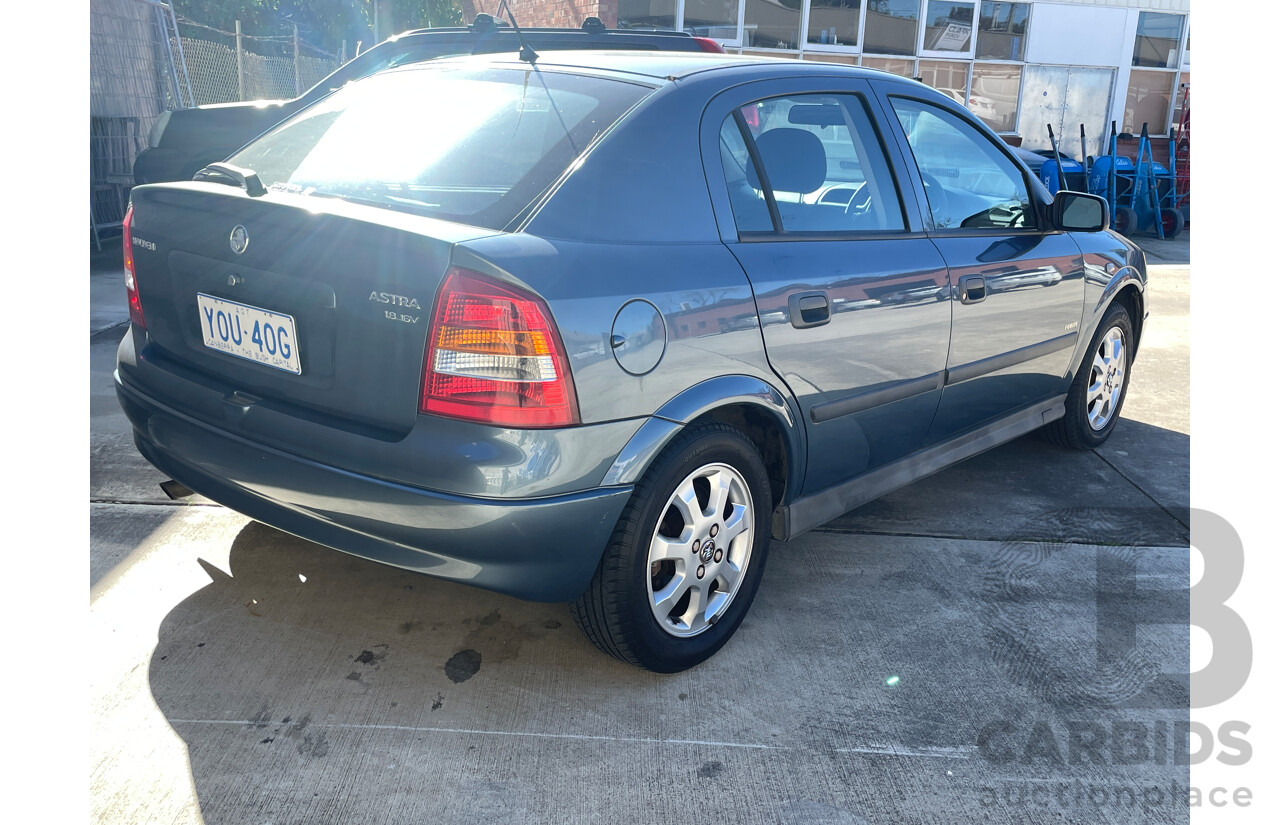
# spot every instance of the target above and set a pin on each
(327, 357)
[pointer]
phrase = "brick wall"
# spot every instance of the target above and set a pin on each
(567, 14)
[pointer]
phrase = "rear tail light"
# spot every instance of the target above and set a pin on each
(131, 282)
(493, 355)
(709, 45)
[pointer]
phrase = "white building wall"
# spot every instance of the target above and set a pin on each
(1182, 6)
(1073, 36)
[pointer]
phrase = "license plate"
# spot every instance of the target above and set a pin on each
(252, 333)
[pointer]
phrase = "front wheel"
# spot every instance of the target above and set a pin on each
(1098, 389)
(686, 557)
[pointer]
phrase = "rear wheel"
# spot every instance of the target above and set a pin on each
(1098, 389)
(686, 557)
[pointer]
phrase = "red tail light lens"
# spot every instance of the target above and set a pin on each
(493, 355)
(709, 45)
(130, 282)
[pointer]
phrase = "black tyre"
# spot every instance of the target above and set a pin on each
(686, 557)
(1098, 390)
(1125, 220)
(1173, 222)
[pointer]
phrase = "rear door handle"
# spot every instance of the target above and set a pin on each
(809, 309)
(972, 289)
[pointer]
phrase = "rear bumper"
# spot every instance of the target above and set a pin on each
(541, 549)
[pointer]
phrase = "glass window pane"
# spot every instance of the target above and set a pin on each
(647, 14)
(994, 95)
(1157, 41)
(1184, 83)
(825, 57)
(892, 65)
(948, 27)
(711, 18)
(969, 182)
(1002, 30)
(1148, 101)
(360, 144)
(750, 211)
(772, 24)
(891, 26)
(947, 76)
(834, 22)
(824, 164)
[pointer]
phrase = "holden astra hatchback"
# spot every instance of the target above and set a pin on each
(595, 329)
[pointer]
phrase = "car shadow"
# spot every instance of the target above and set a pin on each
(311, 685)
(1134, 490)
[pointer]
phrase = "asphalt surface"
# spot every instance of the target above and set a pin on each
(946, 654)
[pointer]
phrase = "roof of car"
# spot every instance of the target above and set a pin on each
(661, 65)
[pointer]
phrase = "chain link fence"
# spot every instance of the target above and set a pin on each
(226, 67)
(141, 64)
(135, 73)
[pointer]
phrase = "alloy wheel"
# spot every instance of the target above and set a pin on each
(1106, 380)
(700, 550)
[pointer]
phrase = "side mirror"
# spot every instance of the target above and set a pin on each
(1079, 212)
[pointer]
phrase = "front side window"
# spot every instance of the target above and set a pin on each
(969, 182)
(824, 168)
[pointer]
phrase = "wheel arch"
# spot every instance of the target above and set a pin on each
(1126, 287)
(764, 414)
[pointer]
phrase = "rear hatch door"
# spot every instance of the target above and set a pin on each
(326, 307)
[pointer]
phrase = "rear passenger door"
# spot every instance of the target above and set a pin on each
(853, 298)
(1019, 284)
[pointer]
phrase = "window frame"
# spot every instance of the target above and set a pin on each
(764, 90)
(1031, 13)
(934, 54)
(828, 48)
(915, 54)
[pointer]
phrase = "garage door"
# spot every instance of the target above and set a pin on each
(1065, 97)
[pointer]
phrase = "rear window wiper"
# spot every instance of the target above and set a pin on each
(246, 179)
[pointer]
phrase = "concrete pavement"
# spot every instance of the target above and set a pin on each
(242, 675)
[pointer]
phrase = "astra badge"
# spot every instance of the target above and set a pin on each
(239, 240)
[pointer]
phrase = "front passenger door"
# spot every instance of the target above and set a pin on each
(1019, 285)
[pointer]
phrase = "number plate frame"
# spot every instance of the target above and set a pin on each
(241, 322)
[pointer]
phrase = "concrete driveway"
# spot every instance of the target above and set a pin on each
(945, 654)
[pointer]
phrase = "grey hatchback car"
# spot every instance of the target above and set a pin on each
(596, 329)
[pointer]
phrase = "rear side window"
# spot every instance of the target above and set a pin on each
(474, 146)
(824, 168)
(969, 182)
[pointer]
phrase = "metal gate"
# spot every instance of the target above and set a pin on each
(136, 71)
(1065, 97)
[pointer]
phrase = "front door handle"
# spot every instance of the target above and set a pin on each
(809, 309)
(972, 289)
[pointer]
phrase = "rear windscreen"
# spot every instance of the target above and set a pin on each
(473, 146)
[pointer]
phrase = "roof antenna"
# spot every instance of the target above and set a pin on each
(527, 54)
